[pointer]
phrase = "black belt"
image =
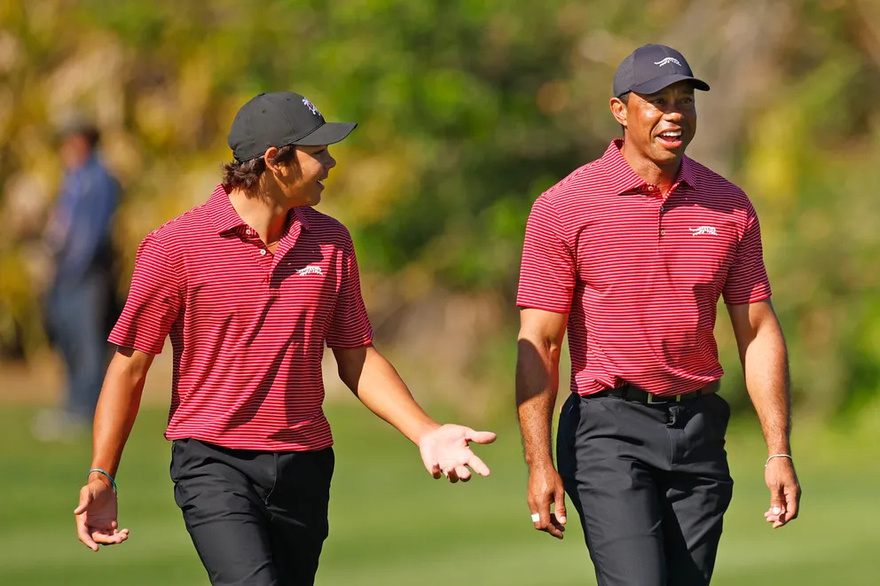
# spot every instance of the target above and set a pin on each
(636, 394)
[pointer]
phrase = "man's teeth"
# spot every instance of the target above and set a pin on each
(671, 134)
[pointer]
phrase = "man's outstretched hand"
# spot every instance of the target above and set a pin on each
(445, 452)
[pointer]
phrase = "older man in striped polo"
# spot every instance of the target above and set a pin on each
(630, 254)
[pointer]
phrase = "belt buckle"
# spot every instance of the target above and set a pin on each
(656, 400)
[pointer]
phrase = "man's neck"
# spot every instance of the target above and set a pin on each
(663, 176)
(261, 213)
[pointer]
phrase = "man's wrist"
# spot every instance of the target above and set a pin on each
(103, 476)
(542, 462)
(780, 456)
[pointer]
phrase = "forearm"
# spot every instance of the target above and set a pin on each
(537, 383)
(116, 411)
(379, 387)
(765, 363)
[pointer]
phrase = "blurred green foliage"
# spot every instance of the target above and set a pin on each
(468, 110)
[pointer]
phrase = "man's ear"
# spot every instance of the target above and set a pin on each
(270, 155)
(618, 110)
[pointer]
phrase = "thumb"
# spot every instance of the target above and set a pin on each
(85, 499)
(480, 437)
(559, 501)
(777, 502)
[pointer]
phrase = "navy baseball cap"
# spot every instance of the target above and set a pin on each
(280, 119)
(651, 68)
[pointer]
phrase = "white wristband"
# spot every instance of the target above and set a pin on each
(777, 456)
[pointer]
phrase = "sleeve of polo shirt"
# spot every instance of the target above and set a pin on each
(747, 280)
(350, 325)
(154, 301)
(547, 273)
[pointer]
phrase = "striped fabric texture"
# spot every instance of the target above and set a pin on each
(247, 327)
(639, 275)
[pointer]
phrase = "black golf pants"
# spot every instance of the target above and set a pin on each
(650, 483)
(255, 518)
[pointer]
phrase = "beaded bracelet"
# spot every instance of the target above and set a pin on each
(777, 456)
(105, 473)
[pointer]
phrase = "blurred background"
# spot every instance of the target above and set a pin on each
(468, 110)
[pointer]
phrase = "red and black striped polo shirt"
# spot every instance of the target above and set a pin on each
(247, 327)
(639, 275)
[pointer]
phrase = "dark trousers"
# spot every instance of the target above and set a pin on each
(255, 518)
(650, 483)
(76, 322)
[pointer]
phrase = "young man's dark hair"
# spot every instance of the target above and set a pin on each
(246, 175)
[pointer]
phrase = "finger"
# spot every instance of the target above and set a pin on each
(777, 504)
(463, 473)
(478, 466)
(555, 528)
(84, 535)
(109, 538)
(434, 470)
(451, 475)
(480, 437)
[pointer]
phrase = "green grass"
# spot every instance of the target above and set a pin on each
(392, 524)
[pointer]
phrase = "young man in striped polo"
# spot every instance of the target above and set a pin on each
(250, 286)
(630, 254)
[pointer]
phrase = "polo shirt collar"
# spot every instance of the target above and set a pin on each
(222, 213)
(624, 179)
(225, 217)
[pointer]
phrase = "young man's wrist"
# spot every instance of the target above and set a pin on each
(103, 476)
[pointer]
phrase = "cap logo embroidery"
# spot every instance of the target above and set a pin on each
(311, 107)
(310, 270)
(703, 230)
(667, 61)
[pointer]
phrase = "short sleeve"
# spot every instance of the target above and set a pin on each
(747, 280)
(548, 270)
(349, 325)
(154, 301)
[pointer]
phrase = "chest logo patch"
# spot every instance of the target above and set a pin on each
(310, 270)
(704, 230)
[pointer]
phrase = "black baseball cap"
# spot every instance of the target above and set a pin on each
(651, 68)
(280, 119)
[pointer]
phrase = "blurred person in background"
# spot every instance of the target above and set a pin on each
(250, 286)
(81, 295)
(630, 254)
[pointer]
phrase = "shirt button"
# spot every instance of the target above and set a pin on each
(662, 232)
(650, 188)
(263, 252)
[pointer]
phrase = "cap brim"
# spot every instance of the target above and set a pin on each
(328, 133)
(657, 84)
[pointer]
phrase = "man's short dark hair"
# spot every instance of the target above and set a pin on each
(77, 127)
(246, 175)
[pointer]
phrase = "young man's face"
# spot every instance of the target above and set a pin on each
(303, 182)
(659, 126)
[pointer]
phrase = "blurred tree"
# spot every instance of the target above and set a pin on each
(468, 110)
